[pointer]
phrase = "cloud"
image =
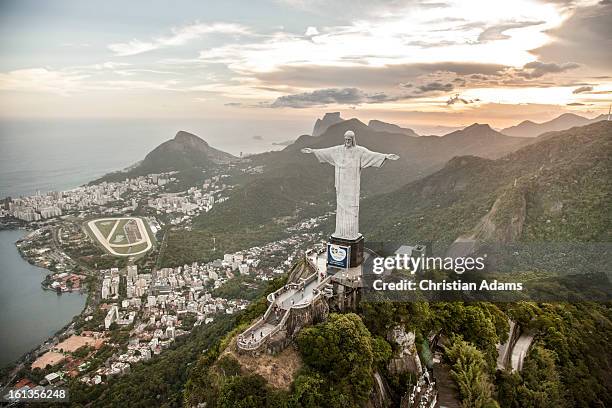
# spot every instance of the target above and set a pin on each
(537, 69)
(380, 39)
(179, 36)
(311, 31)
(575, 104)
(497, 32)
(76, 45)
(41, 80)
(435, 86)
(358, 8)
(77, 79)
(457, 99)
(132, 47)
(582, 89)
(433, 4)
(383, 77)
(322, 97)
(258, 137)
(585, 37)
(233, 104)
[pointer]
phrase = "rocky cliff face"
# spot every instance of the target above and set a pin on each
(407, 358)
(380, 396)
(503, 224)
(300, 270)
(329, 119)
(308, 316)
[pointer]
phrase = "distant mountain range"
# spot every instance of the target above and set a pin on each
(437, 130)
(528, 128)
(419, 156)
(293, 183)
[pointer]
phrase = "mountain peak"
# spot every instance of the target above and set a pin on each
(569, 115)
(189, 139)
(381, 126)
(184, 151)
(480, 126)
(321, 125)
(332, 116)
(353, 124)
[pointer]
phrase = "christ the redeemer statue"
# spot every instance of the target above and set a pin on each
(348, 160)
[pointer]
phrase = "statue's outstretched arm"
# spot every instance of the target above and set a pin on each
(325, 155)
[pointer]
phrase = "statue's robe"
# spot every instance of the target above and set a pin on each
(348, 162)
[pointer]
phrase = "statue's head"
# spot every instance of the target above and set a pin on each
(349, 139)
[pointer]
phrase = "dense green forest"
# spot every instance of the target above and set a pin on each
(568, 365)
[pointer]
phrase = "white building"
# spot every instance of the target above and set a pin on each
(111, 316)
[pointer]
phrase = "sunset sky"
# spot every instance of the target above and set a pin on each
(436, 62)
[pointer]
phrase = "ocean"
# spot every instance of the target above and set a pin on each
(51, 155)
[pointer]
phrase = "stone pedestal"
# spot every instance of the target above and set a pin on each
(356, 249)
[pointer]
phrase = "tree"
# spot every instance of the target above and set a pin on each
(541, 386)
(469, 371)
(308, 391)
(243, 392)
(341, 351)
(477, 323)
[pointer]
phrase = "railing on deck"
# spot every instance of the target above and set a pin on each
(253, 344)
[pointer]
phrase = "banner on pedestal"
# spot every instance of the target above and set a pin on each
(338, 255)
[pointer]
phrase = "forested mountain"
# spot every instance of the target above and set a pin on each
(558, 188)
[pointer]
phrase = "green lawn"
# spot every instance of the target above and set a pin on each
(105, 227)
(119, 232)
